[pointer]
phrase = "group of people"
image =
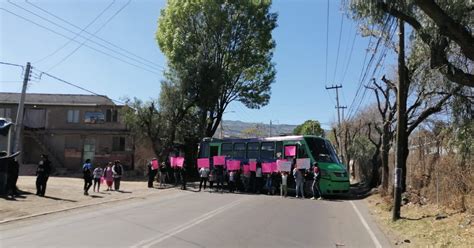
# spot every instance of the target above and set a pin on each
(176, 175)
(111, 174)
(257, 181)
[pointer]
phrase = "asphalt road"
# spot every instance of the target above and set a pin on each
(190, 219)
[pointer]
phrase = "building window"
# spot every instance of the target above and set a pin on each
(73, 116)
(94, 117)
(118, 144)
(111, 115)
(6, 113)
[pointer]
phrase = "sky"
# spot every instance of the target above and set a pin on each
(130, 64)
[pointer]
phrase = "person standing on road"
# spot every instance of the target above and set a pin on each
(316, 177)
(212, 179)
(117, 170)
(220, 178)
(203, 174)
(284, 184)
(12, 172)
(42, 175)
(109, 176)
(231, 181)
(151, 172)
(299, 181)
(162, 174)
(97, 173)
(258, 178)
(87, 175)
(182, 173)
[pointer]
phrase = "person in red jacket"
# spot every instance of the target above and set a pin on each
(316, 177)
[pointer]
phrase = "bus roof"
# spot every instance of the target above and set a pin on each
(276, 138)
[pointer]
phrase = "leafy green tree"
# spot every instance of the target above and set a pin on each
(309, 127)
(221, 51)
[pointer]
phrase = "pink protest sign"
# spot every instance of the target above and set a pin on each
(303, 163)
(219, 160)
(179, 161)
(233, 165)
(246, 168)
(154, 164)
(290, 151)
(283, 165)
(274, 167)
(203, 163)
(173, 161)
(266, 167)
(253, 165)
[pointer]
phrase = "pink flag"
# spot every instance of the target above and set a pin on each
(290, 151)
(266, 167)
(179, 161)
(154, 164)
(173, 161)
(233, 165)
(203, 162)
(253, 165)
(246, 168)
(219, 160)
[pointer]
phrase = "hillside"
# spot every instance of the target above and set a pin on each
(239, 128)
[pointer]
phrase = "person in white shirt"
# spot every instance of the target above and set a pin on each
(204, 174)
(259, 177)
(284, 184)
(97, 173)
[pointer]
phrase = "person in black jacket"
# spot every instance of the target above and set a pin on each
(42, 175)
(182, 172)
(151, 172)
(13, 171)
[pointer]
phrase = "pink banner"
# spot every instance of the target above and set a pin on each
(179, 161)
(274, 167)
(173, 161)
(233, 165)
(246, 168)
(266, 167)
(253, 165)
(290, 151)
(283, 165)
(154, 164)
(203, 162)
(219, 160)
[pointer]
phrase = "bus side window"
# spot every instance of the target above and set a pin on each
(279, 149)
(239, 150)
(302, 151)
(226, 149)
(267, 150)
(253, 150)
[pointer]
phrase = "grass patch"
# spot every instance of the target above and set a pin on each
(419, 226)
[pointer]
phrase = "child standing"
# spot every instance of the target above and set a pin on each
(98, 173)
(284, 184)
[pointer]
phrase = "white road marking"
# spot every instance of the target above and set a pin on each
(187, 225)
(371, 234)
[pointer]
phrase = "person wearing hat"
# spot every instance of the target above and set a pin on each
(42, 175)
(316, 177)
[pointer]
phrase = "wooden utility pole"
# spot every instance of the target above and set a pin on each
(336, 87)
(402, 122)
(19, 115)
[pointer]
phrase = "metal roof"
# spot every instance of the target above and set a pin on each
(56, 99)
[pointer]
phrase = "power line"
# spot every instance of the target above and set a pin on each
(95, 49)
(77, 35)
(349, 58)
(97, 37)
(338, 47)
(327, 42)
(98, 30)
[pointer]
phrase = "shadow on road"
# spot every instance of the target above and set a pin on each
(58, 199)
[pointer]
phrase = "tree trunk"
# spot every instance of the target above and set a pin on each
(386, 137)
(375, 180)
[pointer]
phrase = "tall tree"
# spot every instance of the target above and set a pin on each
(309, 127)
(221, 51)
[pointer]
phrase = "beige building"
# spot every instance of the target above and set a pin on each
(71, 129)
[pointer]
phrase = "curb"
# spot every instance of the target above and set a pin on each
(71, 208)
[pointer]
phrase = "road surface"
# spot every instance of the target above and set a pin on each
(176, 218)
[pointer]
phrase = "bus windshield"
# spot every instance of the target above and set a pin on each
(321, 150)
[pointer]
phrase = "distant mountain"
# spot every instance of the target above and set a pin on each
(240, 129)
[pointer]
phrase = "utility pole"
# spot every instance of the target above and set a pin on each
(343, 107)
(402, 95)
(19, 115)
(336, 87)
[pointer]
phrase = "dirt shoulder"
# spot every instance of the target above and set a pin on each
(420, 227)
(64, 193)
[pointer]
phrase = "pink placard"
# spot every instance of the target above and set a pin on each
(154, 164)
(290, 151)
(219, 160)
(274, 167)
(173, 161)
(233, 165)
(253, 165)
(203, 162)
(266, 167)
(283, 165)
(246, 168)
(179, 161)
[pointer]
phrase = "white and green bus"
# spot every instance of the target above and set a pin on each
(334, 176)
